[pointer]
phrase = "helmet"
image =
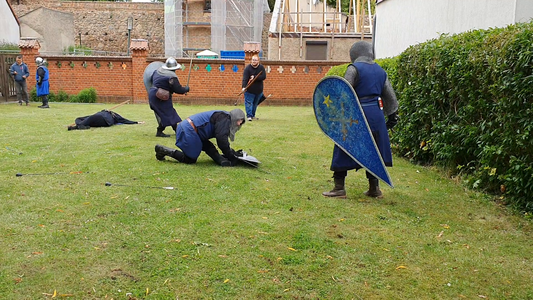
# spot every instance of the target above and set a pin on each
(39, 61)
(171, 64)
(235, 116)
(361, 49)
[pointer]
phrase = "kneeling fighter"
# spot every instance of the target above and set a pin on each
(193, 134)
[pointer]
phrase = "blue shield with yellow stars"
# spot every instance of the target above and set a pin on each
(340, 116)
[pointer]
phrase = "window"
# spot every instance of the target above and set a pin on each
(316, 50)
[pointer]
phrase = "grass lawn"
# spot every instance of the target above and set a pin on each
(236, 233)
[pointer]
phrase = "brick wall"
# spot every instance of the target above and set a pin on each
(213, 82)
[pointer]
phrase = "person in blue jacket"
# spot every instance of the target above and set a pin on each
(43, 86)
(19, 70)
(377, 98)
(164, 83)
(193, 136)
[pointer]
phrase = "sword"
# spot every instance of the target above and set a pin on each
(250, 83)
(141, 186)
(374, 37)
(118, 105)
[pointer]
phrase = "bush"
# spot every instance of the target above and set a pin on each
(465, 103)
(62, 96)
(84, 96)
(9, 47)
(77, 50)
(87, 96)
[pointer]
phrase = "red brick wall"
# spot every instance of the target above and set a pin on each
(117, 79)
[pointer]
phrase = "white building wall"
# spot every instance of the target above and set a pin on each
(9, 27)
(524, 9)
(403, 23)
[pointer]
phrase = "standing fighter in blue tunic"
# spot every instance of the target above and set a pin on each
(371, 84)
(43, 86)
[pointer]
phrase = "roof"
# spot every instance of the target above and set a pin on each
(13, 12)
(207, 53)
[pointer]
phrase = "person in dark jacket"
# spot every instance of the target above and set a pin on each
(193, 136)
(372, 86)
(43, 86)
(252, 85)
(19, 70)
(164, 83)
(104, 118)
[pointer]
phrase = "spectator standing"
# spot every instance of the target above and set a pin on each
(252, 85)
(19, 70)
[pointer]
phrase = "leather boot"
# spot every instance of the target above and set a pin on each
(160, 132)
(45, 103)
(162, 151)
(338, 191)
(373, 188)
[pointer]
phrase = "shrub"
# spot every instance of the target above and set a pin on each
(465, 103)
(77, 50)
(84, 96)
(62, 96)
(9, 47)
(33, 95)
(87, 96)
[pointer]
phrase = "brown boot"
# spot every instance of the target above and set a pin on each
(373, 188)
(338, 191)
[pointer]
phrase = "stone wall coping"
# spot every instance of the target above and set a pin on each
(139, 44)
(263, 62)
(88, 58)
(29, 42)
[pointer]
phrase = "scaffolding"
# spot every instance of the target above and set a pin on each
(173, 28)
(318, 29)
(297, 16)
(232, 23)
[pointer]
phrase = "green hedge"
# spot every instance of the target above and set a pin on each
(84, 96)
(466, 104)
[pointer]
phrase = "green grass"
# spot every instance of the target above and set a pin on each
(236, 233)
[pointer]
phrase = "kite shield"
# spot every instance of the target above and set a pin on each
(147, 75)
(340, 116)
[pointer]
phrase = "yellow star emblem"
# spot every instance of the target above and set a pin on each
(327, 101)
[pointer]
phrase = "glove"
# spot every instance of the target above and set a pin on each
(238, 153)
(392, 120)
(187, 89)
(226, 163)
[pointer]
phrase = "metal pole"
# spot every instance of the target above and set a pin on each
(129, 41)
(130, 27)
